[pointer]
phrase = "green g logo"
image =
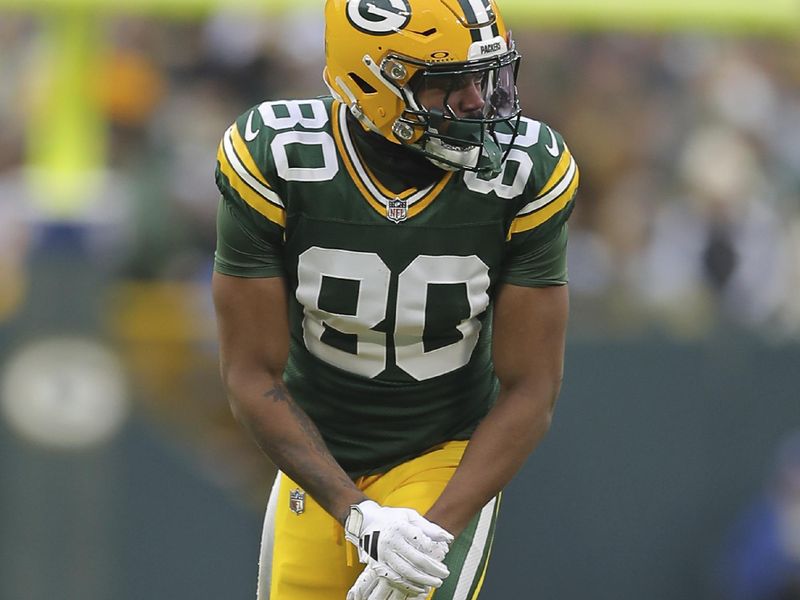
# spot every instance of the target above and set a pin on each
(379, 17)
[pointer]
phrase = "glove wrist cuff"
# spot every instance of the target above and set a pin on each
(354, 523)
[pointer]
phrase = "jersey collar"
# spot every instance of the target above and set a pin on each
(374, 192)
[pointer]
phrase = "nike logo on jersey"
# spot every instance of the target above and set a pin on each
(552, 147)
(249, 134)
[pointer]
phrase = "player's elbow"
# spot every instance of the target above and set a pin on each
(245, 386)
(554, 392)
(536, 399)
(236, 404)
(234, 386)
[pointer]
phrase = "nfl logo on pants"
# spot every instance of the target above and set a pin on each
(297, 501)
(397, 210)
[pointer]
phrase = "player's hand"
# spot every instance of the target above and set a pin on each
(409, 548)
(371, 586)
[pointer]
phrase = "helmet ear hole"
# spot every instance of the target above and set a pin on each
(363, 85)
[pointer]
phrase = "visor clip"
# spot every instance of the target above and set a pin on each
(404, 131)
(356, 110)
(394, 70)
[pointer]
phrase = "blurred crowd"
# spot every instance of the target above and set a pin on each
(687, 224)
(689, 212)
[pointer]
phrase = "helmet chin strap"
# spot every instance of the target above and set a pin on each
(479, 153)
(452, 159)
(486, 161)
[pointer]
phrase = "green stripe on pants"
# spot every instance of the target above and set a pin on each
(469, 554)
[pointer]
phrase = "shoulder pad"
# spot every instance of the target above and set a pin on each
(270, 145)
(545, 174)
(539, 160)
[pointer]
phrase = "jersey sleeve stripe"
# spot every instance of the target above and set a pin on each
(530, 221)
(562, 167)
(245, 157)
(244, 174)
(274, 213)
(554, 193)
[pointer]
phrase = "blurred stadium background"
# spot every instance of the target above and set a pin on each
(122, 475)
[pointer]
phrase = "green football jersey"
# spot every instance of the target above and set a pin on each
(390, 292)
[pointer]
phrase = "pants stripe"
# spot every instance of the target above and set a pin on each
(477, 584)
(476, 552)
(469, 556)
(267, 541)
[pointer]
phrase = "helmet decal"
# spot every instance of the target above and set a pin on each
(477, 12)
(480, 18)
(379, 17)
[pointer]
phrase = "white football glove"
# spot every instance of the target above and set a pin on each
(402, 542)
(371, 586)
(373, 583)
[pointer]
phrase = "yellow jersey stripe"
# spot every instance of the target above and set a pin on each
(423, 203)
(558, 172)
(378, 204)
(348, 163)
(244, 174)
(554, 193)
(381, 188)
(528, 222)
(269, 210)
(245, 157)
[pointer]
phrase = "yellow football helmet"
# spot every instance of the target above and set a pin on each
(381, 53)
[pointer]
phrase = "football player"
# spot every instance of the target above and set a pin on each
(390, 286)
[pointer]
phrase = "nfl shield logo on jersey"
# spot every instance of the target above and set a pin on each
(397, 210)
(297, 501)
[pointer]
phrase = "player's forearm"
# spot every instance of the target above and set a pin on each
(291, 440)
(496, 452)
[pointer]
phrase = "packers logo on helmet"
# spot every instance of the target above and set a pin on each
(378, 17)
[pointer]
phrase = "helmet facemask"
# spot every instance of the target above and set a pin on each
(450, 141)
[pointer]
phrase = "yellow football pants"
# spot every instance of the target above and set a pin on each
(304, 555)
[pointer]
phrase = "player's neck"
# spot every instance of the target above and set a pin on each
(398, 168)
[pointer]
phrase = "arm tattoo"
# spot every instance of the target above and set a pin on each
(279, 393)
(309, 428)
(313, 475)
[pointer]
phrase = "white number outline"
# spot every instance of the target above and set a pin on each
(318, 120)
(496, 185)
(529, 137)
(412, 296)
(295, 118)
(330, 162)
(374, 279)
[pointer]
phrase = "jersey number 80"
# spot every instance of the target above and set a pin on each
(373, 279)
